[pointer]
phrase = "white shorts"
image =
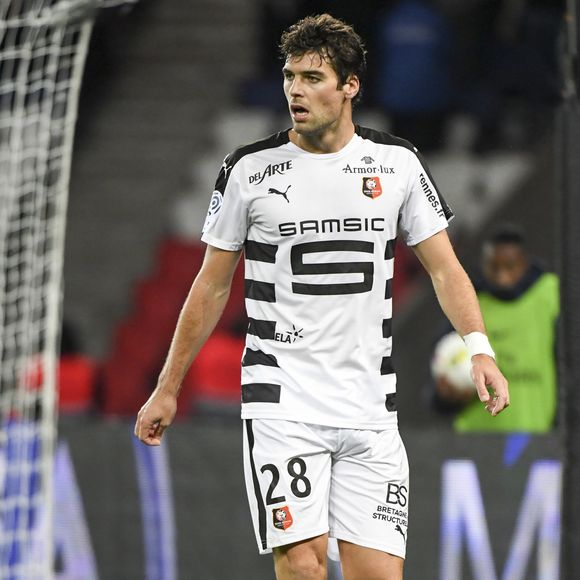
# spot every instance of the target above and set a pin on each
(304, 480)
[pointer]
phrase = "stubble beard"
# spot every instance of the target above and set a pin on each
(312, 130)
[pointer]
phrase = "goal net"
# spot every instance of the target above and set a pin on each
(43, 44)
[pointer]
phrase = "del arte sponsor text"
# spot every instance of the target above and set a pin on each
(272, 169)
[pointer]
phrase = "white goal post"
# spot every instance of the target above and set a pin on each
(43, 45)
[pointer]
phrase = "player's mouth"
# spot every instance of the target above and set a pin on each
(299, 113)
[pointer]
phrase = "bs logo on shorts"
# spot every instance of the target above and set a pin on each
(371, 187)
(282, 517)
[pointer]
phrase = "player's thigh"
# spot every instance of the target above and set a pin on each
(287, 470)
(304, 559)
(369, 496)
(360, 563)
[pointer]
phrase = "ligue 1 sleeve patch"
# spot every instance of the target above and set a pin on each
(282, 517)
(371, 187)
(215, 205)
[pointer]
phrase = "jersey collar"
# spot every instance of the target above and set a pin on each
(355, 139)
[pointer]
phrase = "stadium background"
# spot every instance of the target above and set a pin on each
(170, 87)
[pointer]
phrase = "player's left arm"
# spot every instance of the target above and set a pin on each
(458, 300)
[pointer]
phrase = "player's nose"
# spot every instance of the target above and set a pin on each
(295, 89)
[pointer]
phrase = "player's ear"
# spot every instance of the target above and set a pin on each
(351, 87)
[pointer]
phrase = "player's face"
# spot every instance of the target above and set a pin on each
(316, 99)
(504, 265)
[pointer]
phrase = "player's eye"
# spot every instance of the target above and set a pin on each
(288, 76)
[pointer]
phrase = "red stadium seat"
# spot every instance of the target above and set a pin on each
(135, 342)
(179, 260)
(125, 387)
(234, 314)
(76, 380)
(141, 342)
(159, 302)
(77, 376)
(215, 373)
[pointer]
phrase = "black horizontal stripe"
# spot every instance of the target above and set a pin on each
(265, 329)
(298, 250)
(258, 357)
(391, 402)
(264, 291)
(390, 249)
(387, 367)
(261, 252)
(389, 289)
(387, 327)
(334, 289)
(260, 393)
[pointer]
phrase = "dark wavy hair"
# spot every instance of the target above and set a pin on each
(333, 40)
(507, 233)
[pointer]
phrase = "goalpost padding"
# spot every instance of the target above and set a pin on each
(568, 191)
(43, 45)
(568, 134)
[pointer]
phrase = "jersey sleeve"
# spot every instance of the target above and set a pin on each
(226, 223)
(424, 212)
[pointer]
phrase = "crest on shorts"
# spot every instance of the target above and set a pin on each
(282, 517)
(371, 187)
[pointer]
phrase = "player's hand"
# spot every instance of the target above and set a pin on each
(486, 375)
(155, 416)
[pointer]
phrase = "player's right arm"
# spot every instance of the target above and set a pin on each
(199, 315)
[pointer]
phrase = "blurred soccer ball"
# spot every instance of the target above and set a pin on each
(451, 362)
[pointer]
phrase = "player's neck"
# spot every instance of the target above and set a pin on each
(329, 140)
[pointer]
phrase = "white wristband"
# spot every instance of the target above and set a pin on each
(478, 343)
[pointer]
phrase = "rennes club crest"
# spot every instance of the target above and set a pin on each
(282, 517)
(371, 187)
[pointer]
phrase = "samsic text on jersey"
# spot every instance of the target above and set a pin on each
(318, 233)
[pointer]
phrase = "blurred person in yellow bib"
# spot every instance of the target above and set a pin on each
(520, 304)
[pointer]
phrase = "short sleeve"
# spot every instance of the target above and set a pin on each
(226, 223)
(424, 212)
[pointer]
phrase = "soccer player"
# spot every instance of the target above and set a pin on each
(315, 209)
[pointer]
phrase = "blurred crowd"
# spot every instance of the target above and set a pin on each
(493, 60)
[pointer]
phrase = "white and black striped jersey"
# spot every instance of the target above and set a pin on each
(318, 233)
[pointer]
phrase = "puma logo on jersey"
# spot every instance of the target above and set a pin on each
(226, 168)
(400, 530)
(282, 193)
